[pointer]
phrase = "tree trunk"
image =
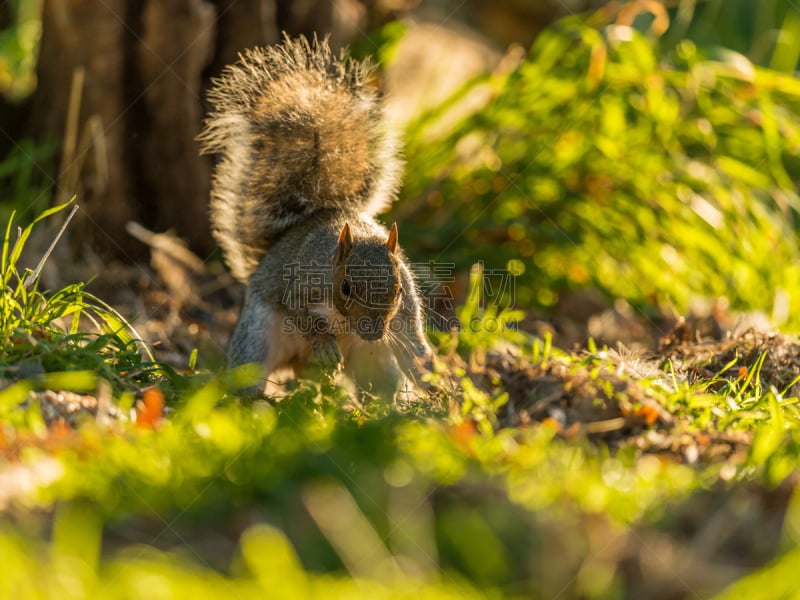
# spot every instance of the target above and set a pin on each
(170, 64)
(89, 43)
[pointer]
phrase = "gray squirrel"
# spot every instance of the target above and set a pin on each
(305, 164)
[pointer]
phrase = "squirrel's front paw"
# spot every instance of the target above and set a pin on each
(326, 353)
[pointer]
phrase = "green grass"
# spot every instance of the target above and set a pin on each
(43, 337)
(231, 498)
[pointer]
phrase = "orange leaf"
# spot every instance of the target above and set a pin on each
(649, 413)
(551, 423)
(60, 436)
(463, 433)
(150, 409)
(60, 430)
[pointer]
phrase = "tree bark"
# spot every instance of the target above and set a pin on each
(171, 61)
(83, 36)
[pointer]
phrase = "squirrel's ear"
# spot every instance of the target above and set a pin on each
(391, 243)
(344, 245)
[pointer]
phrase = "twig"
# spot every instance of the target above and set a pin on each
(35, 275)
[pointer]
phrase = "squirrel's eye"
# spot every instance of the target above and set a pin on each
(345, 288)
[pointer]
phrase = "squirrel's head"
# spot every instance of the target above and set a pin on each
(366, 282)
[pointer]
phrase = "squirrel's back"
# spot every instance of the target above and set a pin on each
(298, 130)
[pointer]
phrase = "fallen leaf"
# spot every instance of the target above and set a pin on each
(150, 409)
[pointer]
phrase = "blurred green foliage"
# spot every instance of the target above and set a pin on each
(403, 502)
(25, 179)
(767, 32)
(600, 162)
(19, 49)
(26, 171)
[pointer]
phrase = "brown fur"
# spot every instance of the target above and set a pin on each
(298, 130)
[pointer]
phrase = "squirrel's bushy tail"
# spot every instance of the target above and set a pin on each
(298, 130)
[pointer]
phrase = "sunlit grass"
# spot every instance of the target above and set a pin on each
(45, 332)
(601, 162)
